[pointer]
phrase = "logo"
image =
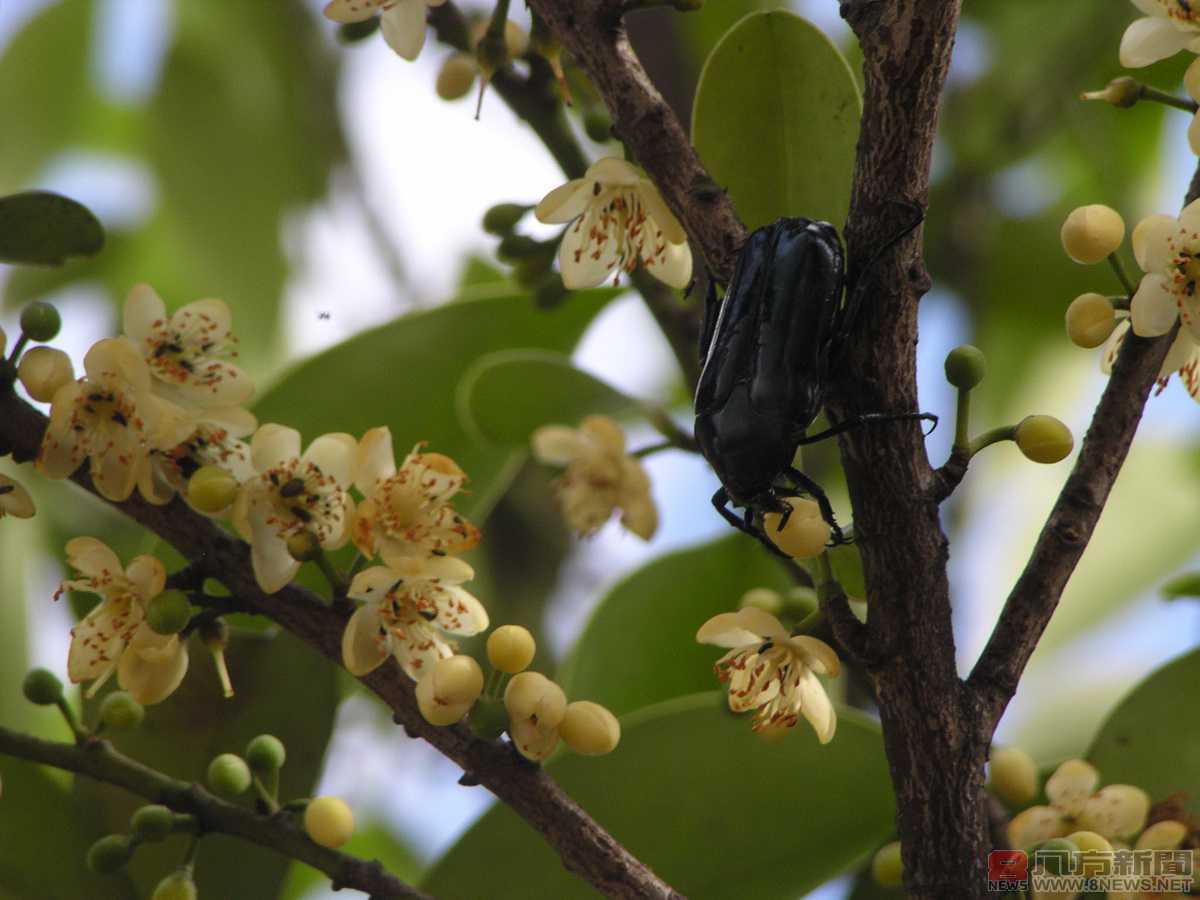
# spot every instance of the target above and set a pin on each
(1007, 870)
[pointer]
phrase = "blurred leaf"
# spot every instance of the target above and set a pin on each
(372, 840)
(712, 808)
(1152, 738)
(44, 77)
(776, 120)
(1182, 586)
(282, 689)
(44, 228)
(505, 396)
(652, 616)
(847, 569)
(404, 375)
(704, 29)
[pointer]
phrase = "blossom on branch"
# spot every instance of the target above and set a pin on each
(620, 222)
(1183, 358)
(1168, 27)
(1168, 251)
(402, 21)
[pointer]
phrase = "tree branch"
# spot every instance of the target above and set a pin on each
(584, 846)
(98, 759)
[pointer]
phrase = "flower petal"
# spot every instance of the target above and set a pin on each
(1153, 310)
(93, 558)
(364, 643)
(144, 309)
(272, 445)
(98, 640)
(148, 577)
(1148, 40)
(1151, 241)
(817, 654)
(403, 26)
(346, 11)
(376, 459)
(557, 445)
(657, 209)
(565, 203)
(372, 584)
(817, 707)
(274, 567)
(336, 455)
(460, 612)
(117, 358)
(673, 267)
(15, 501)
(584, 261)
(612, 171)
(152, 666)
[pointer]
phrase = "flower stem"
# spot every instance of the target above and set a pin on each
(666, 426)
(995, 436)
(356, 565)
(17, 348)
(265, 796)
(1186, 104)
(337, 584)
(1119, 270)
(80, 733)
(962, 422)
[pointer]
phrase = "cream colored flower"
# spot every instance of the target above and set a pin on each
(1168, 250)
(1168, 27)
(772, 671)
(600, 476)
(620, 222)
(291, 493)
(406, 513)
(212, 440)
(110, 417)
(14, 499)
(402, 21)
(1183, 357)
(115, 630)
(408, 611)
(1116, 811)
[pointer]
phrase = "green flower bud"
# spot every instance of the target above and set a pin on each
(353, 32)
(502, 218)
(887, 868)
(303, 546)
(1056, 856)
(169, 612)
(176, 886)
(40, 321)
(120, 712)
(266, 754)
(110, 854)
(228, 775)
(41, 686)
(515, 247)
(597, 124)
(1090, 320)
(1044, 439)
(1091, 233)
(152, 823)
(211, 489)
(965, 367)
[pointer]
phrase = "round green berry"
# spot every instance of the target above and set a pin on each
(152, 823)
(121, 712)
(169, 612)
(303, 546)
(109, 854)
(502, 218)
(228, 775)
(1056, 856)
(965, 367)
(266, 753)
(41, 686)
(211, 489)
(597, 125)
(40, 321)
(329, 821)
(1044, 439)
(887, 868)
(176, 886)
(515, 247)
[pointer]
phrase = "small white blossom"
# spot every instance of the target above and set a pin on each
(1168, 27)
(402, 21)
(620, 222)
(1183, 358)
(212, 440)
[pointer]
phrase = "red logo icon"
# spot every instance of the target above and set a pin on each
(1008, 865)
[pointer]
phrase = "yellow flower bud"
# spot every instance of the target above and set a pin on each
(447, 691)
(536, 706)
(1044, 439)
(589, 728)
(510, 649)
(176, 886)
(1091, 233)
(1116, 811)
(1089, 841)
(887, 868)
(211, 489)
(762, 598)
(1166, 835)
(43, 370)
(804, 535)
(1013, 777)
(1090, 320)
(1034, 825)
(456, 76)
(329, 821)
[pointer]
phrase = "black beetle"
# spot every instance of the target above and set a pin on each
(767, 353)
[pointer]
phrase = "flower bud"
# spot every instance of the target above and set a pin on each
(1116, 811)
(762, 598)
(1044, 439)
(590, 729)
(152, 823)
(434, 711)
(41, 686)
(303, 546)
(329, 821)
(1013, 777)
(211, 489)
(120, 712)
(1089, 842)
(169, 612)
(265, 754)
(176, 886)
(456, 679)
(516, 247)
(805, 533)
(110, 854)
(456, 76)
(502, 218)
(1090, 320)
(1165, 835)
(1091, 233)
(887, 868)
(43, 370)
(510, 649)
(536, 706)
(40, 321)
(965, 367)
(1056, 856)
(597, 125)
(1034, 825)
(1123, 92)
(228, 775)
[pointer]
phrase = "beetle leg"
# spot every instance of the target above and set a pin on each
(865, 419)
(854, 296)
(817, 493)
(720, 500)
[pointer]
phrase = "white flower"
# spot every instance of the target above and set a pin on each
(187, 352)
(291, 493)
(402, 22)
(773, 671)
(1183, 357)
(407, 513)
(1169, 26)
(621, 221)
(109, 416)
(600, 477)
(1168, 250)
(114, 637)
(14, 499)
(407, 611)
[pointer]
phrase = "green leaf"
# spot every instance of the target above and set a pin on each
(640, 646)
(44, 228)
(712, 808)
(1152, 738)
(1182, 586)
(405, 374)
(776, 120)
(549, 388)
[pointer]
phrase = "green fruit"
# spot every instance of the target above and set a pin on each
(121, 712)
(1044, 439)
(211, 489)
(228, 775)
(40, 321)
(887, 868)
(41, 686)
(152, 823)
(598, 126)
(266, 754)
(1056, 856)
(176, 886)
(169, 612)
(965, 367)
(109, 854)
